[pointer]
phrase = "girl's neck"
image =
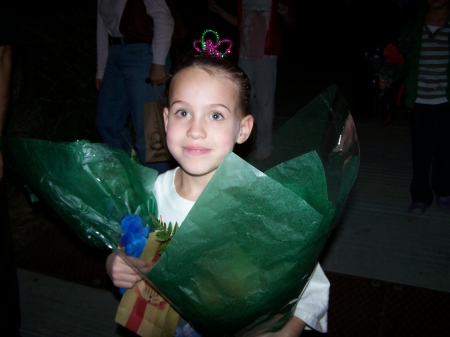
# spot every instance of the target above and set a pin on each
(190, 187)
(437, 16)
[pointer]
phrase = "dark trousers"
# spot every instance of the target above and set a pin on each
(10, 318)
(430, 131)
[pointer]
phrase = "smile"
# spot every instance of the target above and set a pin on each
(196, 150)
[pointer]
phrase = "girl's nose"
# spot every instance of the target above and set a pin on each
(196, 129)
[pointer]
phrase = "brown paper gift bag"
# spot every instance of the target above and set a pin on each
(155, 134)
(141, 309)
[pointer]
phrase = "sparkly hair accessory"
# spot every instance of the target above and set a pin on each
(210, 47)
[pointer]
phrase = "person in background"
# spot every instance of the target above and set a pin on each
(259, 44)
(124, 69)
(11, 316)
(426, 74)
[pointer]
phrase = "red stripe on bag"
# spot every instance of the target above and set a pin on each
(137, 314)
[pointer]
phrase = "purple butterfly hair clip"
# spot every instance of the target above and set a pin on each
(210, 47)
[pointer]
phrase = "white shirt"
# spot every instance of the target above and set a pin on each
(312, 307)
(109, 13)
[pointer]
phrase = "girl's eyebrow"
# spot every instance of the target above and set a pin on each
(222, 105)
(174, 102)
(211, 105)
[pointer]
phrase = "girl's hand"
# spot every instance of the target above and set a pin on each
(122, 274)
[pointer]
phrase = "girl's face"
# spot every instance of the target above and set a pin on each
(203, 121)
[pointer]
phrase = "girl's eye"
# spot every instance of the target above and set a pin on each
(182, 113)
(217, 116)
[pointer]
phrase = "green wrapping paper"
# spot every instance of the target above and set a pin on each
(91, 186)
(247, 248)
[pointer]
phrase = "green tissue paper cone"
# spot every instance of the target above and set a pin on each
(246, 236)
(91, 186)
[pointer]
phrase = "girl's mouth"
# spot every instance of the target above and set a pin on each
(196, 150)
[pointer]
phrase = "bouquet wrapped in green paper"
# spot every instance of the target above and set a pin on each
(248, 247)
(91, 186)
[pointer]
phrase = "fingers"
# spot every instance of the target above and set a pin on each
(144, 270)
(125, 272)
(138, 264)
(158, 74)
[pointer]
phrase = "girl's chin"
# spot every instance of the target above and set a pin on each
(195, 170)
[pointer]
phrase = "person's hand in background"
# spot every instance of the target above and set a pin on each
(158, 74)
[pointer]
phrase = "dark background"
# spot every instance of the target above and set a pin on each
(55, 60)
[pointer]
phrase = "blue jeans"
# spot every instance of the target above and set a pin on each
(123, 94)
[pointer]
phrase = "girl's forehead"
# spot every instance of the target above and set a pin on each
(197, 71)
(206, 78)
(197, 87)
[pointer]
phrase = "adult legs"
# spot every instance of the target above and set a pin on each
(422, 137)
(124, 96)
(440, 169)
(262, 74)
(138, 92)
(112, 107)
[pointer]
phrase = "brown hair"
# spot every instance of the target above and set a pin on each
(223, 68)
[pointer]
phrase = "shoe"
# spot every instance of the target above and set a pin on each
(417, 207)
(443, 202)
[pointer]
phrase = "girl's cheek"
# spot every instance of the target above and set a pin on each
(173, 133)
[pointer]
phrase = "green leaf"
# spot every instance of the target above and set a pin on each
(164, 232)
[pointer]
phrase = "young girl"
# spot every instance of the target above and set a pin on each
(208, 114)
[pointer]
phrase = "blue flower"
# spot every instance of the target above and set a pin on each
(134, 236)
(132, 223)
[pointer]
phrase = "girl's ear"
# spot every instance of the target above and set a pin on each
(166, 117)
(245, 129)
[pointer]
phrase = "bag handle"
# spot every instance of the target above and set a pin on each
(165, 93)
